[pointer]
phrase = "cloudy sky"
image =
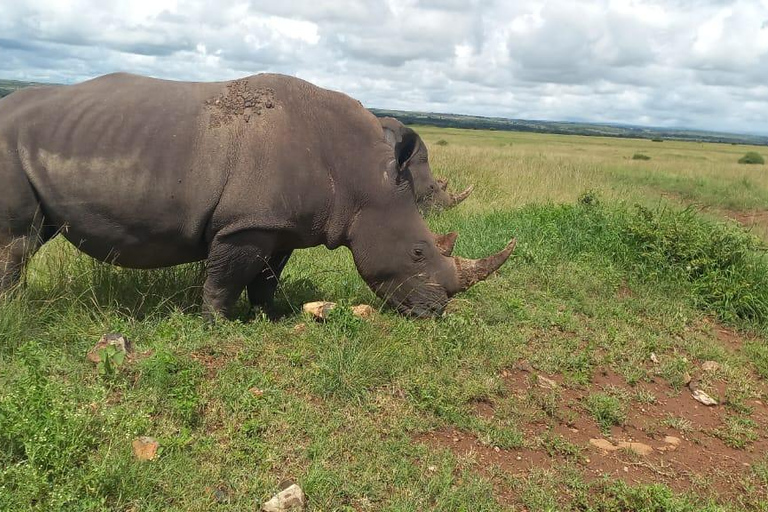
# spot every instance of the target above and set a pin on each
(684, 63)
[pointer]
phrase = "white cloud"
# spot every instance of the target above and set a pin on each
(694, 63)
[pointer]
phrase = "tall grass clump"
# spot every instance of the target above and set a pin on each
(721, 267)
(640, 156)
(726, 267)
(752, 157)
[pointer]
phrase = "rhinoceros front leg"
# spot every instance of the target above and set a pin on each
(234, 261)
(261, 291)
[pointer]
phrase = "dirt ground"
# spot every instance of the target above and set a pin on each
(685, 454)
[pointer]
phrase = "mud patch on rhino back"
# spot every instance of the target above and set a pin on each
(240, 100)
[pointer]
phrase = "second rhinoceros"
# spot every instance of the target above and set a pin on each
(148, 173)
(429, 193)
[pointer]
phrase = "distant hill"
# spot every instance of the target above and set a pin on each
(568, 128)
(522, 125)
(8, 86)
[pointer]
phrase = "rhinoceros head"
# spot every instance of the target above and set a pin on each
(430, 193)
(402, 260)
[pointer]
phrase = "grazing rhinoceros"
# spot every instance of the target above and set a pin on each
(430, 193)
(148, 173)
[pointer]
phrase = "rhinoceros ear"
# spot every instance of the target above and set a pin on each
(403, 140)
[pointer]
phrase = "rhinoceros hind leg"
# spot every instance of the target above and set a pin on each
(261, 291)
(20, 237)
(233, 262)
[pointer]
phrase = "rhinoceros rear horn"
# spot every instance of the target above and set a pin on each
(445, 243)
(443, 184)
(470, 272)
(457, 198)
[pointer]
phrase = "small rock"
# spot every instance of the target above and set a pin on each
(519, 458)
(496, 449)
(603, 444)
(286, 500)
(145, 448)
(654, 358)
(626, 469)
(704, 398)
(710, 366)
(546, 383)
(587, 461)
(432, 469)
(363, 311)
(119, 341)
(674, 441)
(258, 393)
(687, 378)
(318, 309)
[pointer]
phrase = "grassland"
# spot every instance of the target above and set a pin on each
(629, 274)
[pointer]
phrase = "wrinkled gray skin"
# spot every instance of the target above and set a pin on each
(146, 173)
(430, 194)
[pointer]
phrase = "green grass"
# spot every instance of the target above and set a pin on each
(343, 403)
(607, 410)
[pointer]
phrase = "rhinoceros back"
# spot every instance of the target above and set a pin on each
(121, 164)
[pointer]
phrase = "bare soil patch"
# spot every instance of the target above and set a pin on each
(679, 433)
(749, 218)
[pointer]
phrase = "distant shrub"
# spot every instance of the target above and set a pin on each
(657, 140)
(752, 158)
(442, 142)
(589, 197)
(640, 156)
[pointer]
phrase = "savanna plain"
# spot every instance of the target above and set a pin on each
(564, 382)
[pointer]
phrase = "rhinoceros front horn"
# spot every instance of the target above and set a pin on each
(473, 271)
(457, 198)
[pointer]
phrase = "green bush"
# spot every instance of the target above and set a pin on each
(640, 156)
(442, 142)
(723, 268)
(752, 157)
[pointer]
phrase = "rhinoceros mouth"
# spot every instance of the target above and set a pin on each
(424, 307)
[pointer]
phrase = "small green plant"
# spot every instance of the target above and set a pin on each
(682, 425)
(342, 321)
(442, 142)
(738, 432)
(752, 157)
(558, 445)
(640, 156)
(644, 397)
(110, 359)
(657, 140)
(607, 410)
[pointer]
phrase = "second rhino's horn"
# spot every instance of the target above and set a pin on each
(457, 198)
(470, 272)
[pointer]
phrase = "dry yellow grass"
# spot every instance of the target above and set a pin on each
(510, 169)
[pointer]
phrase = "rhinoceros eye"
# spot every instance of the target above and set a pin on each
(417, 253)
